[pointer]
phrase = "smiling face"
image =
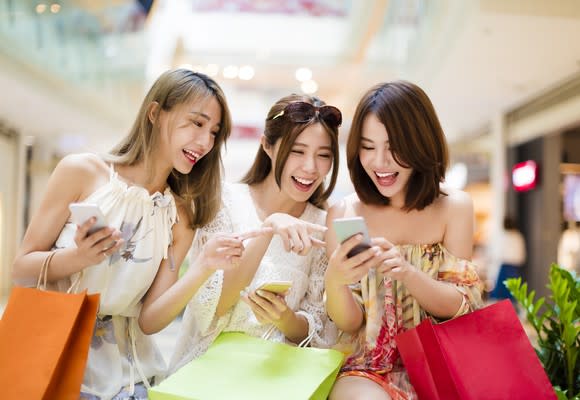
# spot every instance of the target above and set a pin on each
(188, 132)
(308, 162)
(377, 160)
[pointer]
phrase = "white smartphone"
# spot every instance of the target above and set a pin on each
(345, 228)
(279, 287)
(81, 212)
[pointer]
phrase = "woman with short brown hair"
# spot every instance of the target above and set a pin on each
(418, 265)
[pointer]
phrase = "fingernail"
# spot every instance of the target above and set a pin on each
(260, 292)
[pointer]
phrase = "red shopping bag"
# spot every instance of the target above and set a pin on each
(482, 355)
(44, 343)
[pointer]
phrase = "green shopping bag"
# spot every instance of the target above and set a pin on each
(238, 366)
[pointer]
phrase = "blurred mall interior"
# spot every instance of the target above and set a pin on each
(504, 76)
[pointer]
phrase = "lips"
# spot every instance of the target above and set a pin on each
(386, 178)
(191, 156)
(303, 184)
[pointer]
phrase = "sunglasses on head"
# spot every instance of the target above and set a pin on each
(301, 111)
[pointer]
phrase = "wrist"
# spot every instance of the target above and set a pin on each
(70, 257)
(409, 274)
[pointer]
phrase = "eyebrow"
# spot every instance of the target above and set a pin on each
(364, 139)
(200, 114)
(305, 145)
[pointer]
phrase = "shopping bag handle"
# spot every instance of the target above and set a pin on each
(43, 275)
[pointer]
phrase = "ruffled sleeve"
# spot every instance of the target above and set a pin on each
(321, 331)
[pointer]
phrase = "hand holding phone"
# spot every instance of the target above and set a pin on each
(82, 212)
(345, 228)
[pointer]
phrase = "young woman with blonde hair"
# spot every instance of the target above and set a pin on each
(154, 188)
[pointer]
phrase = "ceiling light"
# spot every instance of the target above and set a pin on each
(309, 86)
(40, 8)
(54, 8)
(212, 69)
(303, 74)
(230, 72)
(246, 72)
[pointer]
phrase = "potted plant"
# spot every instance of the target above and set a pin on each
(557, 324)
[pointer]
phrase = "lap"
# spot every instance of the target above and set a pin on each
(357, 387)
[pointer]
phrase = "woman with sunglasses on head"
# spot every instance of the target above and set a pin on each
(154, 188)
(284, 191)
(422, 236)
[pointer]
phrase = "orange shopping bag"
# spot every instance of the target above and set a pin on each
(44, 343)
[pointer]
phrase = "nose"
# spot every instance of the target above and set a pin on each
(382, 158)
(309, 164)
(205, 141)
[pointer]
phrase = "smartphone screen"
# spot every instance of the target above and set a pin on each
(348, 227)
(81, 212)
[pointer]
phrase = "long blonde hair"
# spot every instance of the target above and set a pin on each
(201, 188)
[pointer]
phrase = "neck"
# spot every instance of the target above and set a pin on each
(269, 199)
(152, 179)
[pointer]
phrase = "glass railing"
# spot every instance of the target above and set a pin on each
(96, 46)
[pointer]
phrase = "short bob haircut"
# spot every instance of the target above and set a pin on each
(287, 131)
(200, 190)
(416, 141)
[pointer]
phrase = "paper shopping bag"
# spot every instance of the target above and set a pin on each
(44, 343)
(238, 366)
(482, 355)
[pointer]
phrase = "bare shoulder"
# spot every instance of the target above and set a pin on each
(82, 165)
(456, 202)
(80, 174)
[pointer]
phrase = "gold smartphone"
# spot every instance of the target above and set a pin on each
(278, 287)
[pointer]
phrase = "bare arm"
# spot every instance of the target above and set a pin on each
(438, 298)
(168, 294)
(73, 179)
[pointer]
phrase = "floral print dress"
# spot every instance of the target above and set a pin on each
(390, 309)
(120, 354)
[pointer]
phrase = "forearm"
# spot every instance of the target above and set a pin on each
(239, 278)
(163, 310)
(64, 263)
(294, 327)
(439, 299)
(342, 308)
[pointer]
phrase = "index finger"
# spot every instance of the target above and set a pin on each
(315, 227)
(254, 233)
(83, 229)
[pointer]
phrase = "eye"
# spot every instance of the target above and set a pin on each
(214, 133)
(325, 155)
(297, 151)
(198, 124)
(367, 148)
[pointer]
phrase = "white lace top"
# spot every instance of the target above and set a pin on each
(200, 326)
(120, 354)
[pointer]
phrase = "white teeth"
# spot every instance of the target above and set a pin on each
(385, 174)
(304, 181)
(192, 154)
